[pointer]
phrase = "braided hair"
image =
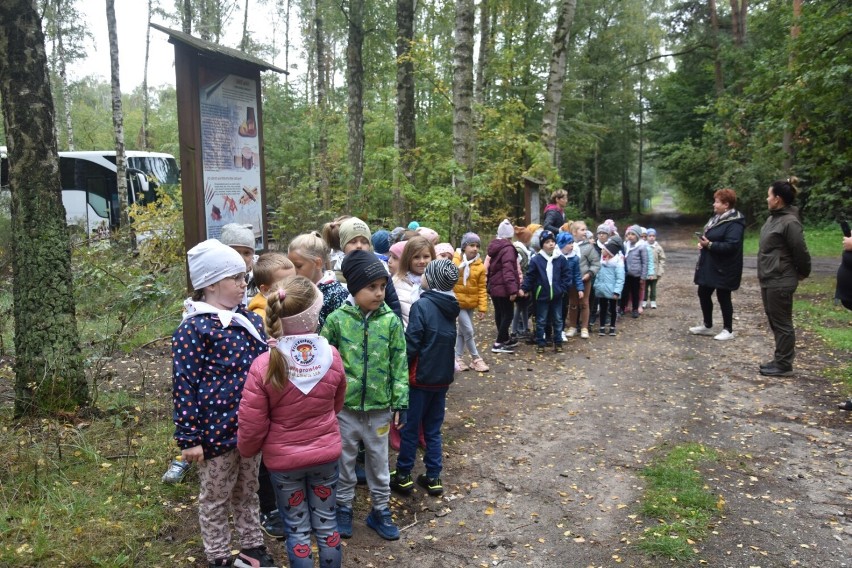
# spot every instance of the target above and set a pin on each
(292, 296)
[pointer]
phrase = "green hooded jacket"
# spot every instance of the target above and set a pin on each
(373, 351)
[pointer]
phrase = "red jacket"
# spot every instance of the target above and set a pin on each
(292, 429)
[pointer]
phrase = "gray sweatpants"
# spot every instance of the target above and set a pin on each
(372, 428)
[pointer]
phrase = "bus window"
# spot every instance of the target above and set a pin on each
(97, 181)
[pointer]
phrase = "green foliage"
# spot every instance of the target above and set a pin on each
(822, 240)
(159, 227)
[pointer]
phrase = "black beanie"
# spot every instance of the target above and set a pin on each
(361, 267)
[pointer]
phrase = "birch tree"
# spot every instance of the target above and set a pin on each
(556, 76)
(118, 122)
(355, 93)
(406, 134)
(48, 366)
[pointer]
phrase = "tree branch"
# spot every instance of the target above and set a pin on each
(675, 54)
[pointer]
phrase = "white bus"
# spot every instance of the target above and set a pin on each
(90, 189)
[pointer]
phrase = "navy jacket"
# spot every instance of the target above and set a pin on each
(565, 274)
(431, 340)
(721, 265)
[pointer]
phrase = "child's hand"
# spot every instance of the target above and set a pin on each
(615, 296)
(193, 455)
(480, 315)
(399, 418)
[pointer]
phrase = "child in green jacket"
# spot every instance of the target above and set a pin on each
(371, 342)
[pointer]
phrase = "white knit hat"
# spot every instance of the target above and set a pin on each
(505, 230)
(236, 235)
(211, 261)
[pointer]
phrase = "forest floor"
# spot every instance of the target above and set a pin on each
(544, 455)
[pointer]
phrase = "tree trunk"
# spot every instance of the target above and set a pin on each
(406, 135)
(485, 46)
(66, 95)
(463, 133)
(322, 142)
(641, 156)
(556, 77)
(596, 181)
(625, 188)
(287, 44)
(146, 108)
(244, 42)
(717, 55)
(355, 91)
(787, 140)
(739, 9)
(118, 125)
(186, 17)
(48, 364)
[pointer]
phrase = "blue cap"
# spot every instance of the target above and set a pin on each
(563, 239)
(381, 241)
(651, 232)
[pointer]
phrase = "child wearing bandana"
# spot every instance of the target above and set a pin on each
(289, 412)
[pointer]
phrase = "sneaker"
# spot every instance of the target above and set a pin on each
(701, 330)
(776, 372)
(257, 557)
(612, 330)
(501, 348)
(602, 331)
(572, 331)
(653, 305)
(724, 335)
(644, 305)
(558, 348)
(767, 364)
(584, 333)
(344, 521)
(402, 484)
(460, 365)
(432, 485)
(634, 314)
(176, 472)
(539, 348)
(382, 523)
(479, 365)
(272, 524)
(846, 405)
(513, 341)
(221, 562)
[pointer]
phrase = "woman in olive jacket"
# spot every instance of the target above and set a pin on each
(720, 263)
(782, 260)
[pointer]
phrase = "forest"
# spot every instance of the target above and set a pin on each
(436, 110)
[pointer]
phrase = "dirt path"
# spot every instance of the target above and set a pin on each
(543, 453)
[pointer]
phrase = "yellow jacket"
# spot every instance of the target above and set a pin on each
(258, 306)
(473, 295)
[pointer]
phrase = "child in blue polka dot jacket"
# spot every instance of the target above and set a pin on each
(212, 351)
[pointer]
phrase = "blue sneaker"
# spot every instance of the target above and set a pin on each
(344, 521)
(381, 522)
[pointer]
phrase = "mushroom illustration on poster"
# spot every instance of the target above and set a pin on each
(230, 154)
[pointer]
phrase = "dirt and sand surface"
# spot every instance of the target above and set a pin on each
(544, 453)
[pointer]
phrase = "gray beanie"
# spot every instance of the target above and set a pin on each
(441, 275)
(211, 261)
(236, 235)
(604, 229)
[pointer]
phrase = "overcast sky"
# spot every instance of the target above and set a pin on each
(131, 20)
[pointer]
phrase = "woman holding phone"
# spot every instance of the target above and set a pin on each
(720, 263)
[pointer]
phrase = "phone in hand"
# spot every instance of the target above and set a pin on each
(844, 226)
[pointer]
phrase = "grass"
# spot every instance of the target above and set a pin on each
(677, 497)
(822, 241)
(814, 309)
(89, 494)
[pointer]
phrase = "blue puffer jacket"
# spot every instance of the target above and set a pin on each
(430, 340)
(610, 278)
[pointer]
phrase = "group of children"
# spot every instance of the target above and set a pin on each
(310, 371)
(566, 281)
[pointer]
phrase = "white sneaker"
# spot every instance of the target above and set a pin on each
(644, 304)
(701, 330)
(724, 335)
(653, 305)
(572, 331)
(584, 333)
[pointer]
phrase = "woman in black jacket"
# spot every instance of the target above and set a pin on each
(554, 213)
(720, 263)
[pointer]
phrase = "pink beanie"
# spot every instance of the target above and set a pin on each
(429, 234)
(397, 248)
(442, 248)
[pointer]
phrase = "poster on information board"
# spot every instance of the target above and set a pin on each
(230, 153)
